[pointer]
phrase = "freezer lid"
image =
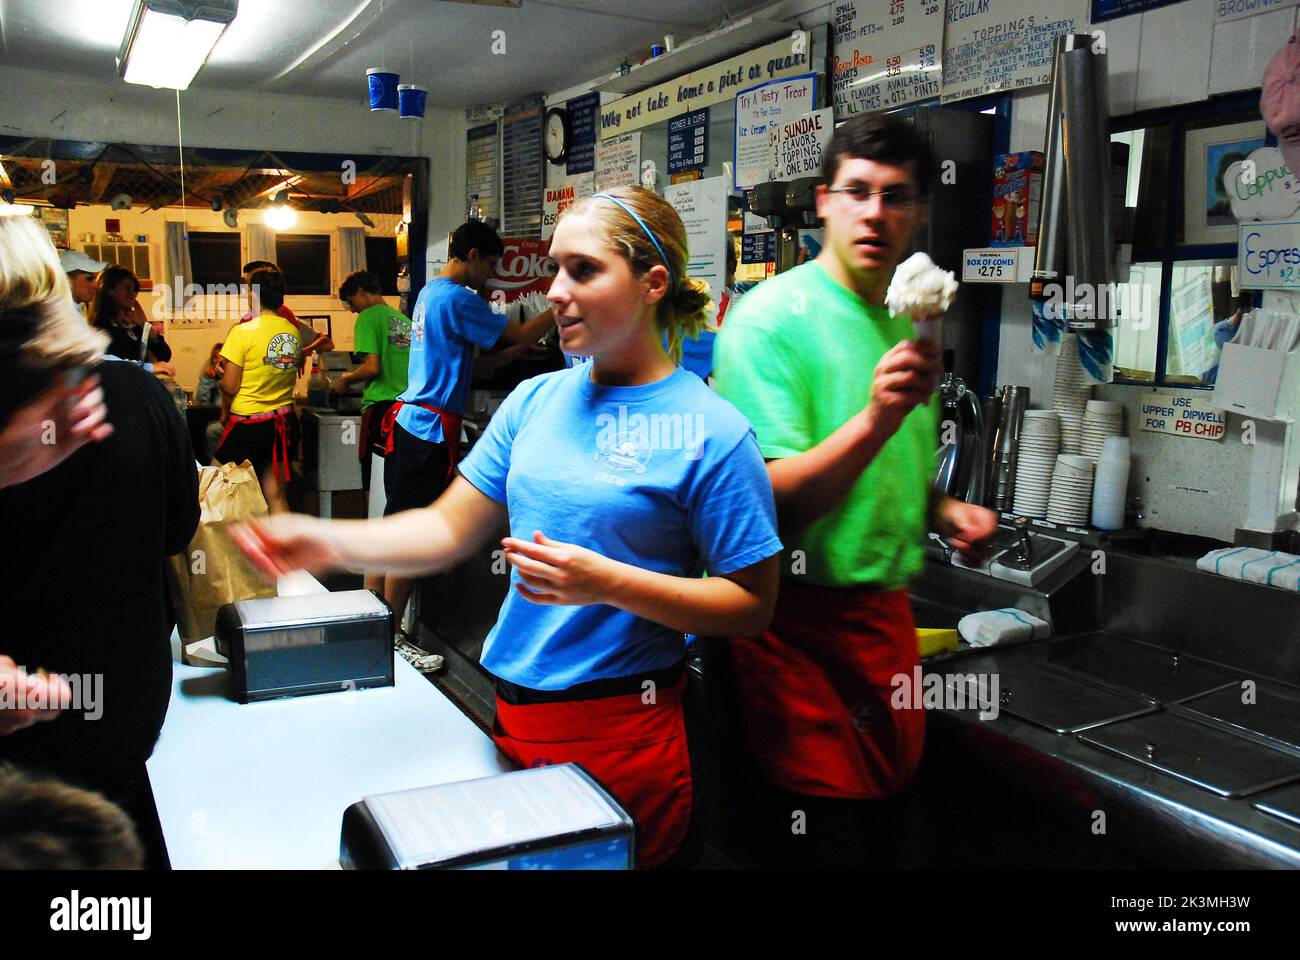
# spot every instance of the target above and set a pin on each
(1197, 752)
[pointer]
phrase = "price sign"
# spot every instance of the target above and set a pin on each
(758, 247)
(1268, 255)
(688, 141)
(993, 265)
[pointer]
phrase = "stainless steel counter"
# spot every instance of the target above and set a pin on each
(1165, 820)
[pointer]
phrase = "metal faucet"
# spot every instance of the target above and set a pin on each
(963, 454)
(1024, 547)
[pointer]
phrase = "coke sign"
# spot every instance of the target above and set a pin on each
(524, 267)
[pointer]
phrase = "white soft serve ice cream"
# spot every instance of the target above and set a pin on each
(923, 292)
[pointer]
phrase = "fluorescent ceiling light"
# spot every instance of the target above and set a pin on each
(16, 209)
(167, 41)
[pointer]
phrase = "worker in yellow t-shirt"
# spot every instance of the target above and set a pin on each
(261, 369)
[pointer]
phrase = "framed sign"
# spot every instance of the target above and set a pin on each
(1207, 155)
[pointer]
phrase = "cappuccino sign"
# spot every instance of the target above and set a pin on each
(525, 266)
(1262, 187)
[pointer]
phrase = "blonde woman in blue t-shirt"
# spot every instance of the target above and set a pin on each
(623, 480)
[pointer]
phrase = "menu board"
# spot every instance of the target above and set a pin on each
(1225, 10)
(758, 247)
(1113, 9)
(688, 141)
(583, 114)
(758, 110)
(618, 161)
(521, 168)
(885, 54)
(702, 205)
(993, 45)
(481, 168)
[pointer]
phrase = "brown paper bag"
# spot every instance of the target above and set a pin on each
(214, 571)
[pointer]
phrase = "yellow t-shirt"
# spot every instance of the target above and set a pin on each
(267, 347)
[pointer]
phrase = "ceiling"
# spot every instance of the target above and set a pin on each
(323, 48)
(105, 171)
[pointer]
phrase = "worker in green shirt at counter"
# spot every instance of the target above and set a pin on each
(383, 334)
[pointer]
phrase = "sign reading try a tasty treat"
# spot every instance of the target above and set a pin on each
(1183, 416)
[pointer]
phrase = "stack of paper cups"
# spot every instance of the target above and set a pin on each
(1071, 391)
(1102, 419)
(1040, 443)
(1110, 484)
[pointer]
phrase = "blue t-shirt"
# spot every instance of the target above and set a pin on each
(697, 355)
(666, 476)
(448, 322)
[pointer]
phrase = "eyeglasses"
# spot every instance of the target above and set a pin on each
(891, 198)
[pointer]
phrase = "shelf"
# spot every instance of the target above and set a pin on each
(702, 51)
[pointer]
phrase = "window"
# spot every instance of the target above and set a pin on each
(214, 257)
(304, 259)
(381, 260)
(1182, 298)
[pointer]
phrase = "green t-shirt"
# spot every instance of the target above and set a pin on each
(387, 332)
(796, 356)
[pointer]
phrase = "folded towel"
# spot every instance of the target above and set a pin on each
(1270, 568)
(999, 626)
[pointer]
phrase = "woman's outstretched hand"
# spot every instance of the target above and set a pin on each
(288, 542)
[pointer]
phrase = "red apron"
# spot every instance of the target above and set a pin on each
(449, 422)
(279, 452)
(363, 448)
(815, 691)
(636, 750)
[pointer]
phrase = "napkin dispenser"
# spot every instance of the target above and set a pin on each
(555, 817)
(317, 643)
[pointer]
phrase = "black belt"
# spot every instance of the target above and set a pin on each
(514, 694)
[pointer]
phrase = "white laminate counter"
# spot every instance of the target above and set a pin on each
(264, 785)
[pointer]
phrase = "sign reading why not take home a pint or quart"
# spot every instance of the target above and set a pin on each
(708, 85)
(1183, 416)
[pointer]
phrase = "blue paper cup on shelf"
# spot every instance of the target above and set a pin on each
(383, 89)
(410, 101)
(657, 50)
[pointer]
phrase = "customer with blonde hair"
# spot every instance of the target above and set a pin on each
(104, 506)
(622, 481)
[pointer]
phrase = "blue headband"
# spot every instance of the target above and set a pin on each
(632, 213)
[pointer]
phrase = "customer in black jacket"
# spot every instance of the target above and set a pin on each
(85, 540)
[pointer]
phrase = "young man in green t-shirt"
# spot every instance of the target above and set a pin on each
(383, 334)
(850, 454)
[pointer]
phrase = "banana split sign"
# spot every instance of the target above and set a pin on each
(784, 58)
